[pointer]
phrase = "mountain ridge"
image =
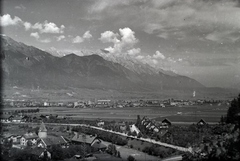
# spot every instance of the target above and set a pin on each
(30, 67)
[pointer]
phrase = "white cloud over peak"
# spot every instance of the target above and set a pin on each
(7, 20)
(27, 25)
(50, 27)
(77, 40)
(87, 35)
(124, 44)
(80, 39)
(38, 26)
(134, 51)
(35, 35)
(128, 36)
(158, 55)
(109, 36)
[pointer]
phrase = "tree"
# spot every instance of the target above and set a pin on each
(112, 149)
(233, 111)
(57, 152)
(138, 123)
(118, 154)
(131, 158)
(29, 143)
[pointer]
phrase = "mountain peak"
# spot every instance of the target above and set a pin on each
(31, 67)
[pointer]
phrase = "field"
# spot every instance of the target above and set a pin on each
(74, 94)
(187, 114)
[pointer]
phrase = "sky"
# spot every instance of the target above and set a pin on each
(196, 38)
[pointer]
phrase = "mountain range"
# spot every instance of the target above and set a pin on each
(29, 67)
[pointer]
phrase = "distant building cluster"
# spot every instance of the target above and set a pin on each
(107, 103)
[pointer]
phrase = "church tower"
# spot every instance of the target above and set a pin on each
(42, 132)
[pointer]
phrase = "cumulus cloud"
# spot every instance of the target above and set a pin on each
(7, 20)
(59, 38)
(50, 27)
(128, 36)
(46, 27)
(35, 35)
(124, 44)
(77, 40)
(134, 51)
(158, 55)
(87, 35)
(38, 26)
(27, 25)
(157, 60)
(109, 36)
(80, 39)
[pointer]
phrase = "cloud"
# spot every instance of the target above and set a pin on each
(160, 17)
(7, 20)
(87, 35)
(77, 39)
(109, 36)
(100, 6)
(27, 25)
(128, 36)
(50, 27)
(80, 39)
(222, 37)
(134, 51)
(35, 35)
(46, 27)
(158, 55)
(59, 38)
(38, 26)
(148, 60)
(124, 44)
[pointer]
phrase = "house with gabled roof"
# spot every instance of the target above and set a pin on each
(83, 138)
(90, 140)
(51, 140)
(6, 118)
(29, 137)
(98, 145)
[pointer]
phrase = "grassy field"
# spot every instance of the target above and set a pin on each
(188, 113)
(74, 94)
(175, 114)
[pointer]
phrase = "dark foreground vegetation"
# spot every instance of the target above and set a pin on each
(224, 143)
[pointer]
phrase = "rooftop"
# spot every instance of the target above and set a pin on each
(80, 138)
(54, 140)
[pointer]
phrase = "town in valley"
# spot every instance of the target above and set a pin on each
(120, 80)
